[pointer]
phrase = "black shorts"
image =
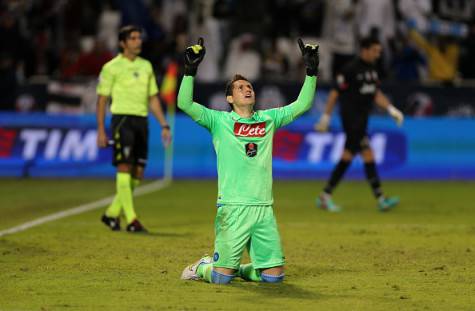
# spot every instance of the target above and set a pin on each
(357, 138)
(130, 135)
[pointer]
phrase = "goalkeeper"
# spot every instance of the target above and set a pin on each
(357, 86)
(242, 140)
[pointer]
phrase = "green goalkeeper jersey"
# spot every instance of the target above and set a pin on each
(129, 83)
(244, 145)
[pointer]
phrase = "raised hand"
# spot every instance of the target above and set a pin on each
(310, 56)
(193, 56)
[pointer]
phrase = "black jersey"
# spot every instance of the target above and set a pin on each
(357, 84)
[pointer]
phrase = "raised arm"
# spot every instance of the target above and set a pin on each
(305, 99)
(307, 92)
(193, 57)
(185, 98)
(287, 114)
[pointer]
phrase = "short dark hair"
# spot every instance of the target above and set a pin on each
(125, 31)
(367, 42)
(229, 86)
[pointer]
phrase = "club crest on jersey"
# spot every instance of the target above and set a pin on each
(250, 130)
(251, 149)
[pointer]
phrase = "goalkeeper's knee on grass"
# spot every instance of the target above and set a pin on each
(269, 278)
(221, 278)
(248, 273)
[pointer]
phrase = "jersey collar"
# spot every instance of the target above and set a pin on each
(237, 117)
(362, 61)
(121, 55)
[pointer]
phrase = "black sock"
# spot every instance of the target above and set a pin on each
(336, 175)
(373, 179)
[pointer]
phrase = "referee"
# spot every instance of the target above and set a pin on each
(129, 80)
(357, 87)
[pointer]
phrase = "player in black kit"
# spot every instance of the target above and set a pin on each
(357, 87)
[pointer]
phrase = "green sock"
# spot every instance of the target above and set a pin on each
(114, 209)
(204, 271)
(124, 192)
(134, 183)
(248, 273)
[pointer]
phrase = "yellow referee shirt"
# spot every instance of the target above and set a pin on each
(129, 83)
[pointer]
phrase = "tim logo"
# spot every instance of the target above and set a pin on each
(250, 130)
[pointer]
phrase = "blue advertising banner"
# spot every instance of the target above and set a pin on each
(434, 148)
(39, 145)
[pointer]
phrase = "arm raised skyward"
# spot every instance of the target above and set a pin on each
(193, 56)
(305, 99)
(185, 98)
(285, 115)
(311, 60)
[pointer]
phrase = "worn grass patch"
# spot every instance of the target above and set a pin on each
(419, 256)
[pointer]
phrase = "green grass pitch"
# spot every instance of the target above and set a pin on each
(420, 256)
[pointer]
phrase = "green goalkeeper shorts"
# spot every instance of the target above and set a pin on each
(247, 226)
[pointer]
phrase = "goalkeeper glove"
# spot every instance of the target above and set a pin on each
(322, 125)
(193, 56)
(310, 57)
(396, 114)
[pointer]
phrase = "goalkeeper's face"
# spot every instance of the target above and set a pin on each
(133, 43)
(242, 94)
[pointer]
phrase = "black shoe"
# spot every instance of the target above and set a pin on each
(113, 223)
(136, 226)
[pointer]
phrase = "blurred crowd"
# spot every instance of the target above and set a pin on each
(423, 40)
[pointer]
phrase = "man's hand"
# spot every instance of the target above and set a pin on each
(310, 57)
(193, 56)
(322, 125)
(396, 114)
(166, 136)
(102, 139)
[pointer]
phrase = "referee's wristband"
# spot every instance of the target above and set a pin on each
(166, 127)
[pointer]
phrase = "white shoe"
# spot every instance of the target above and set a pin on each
(325, 202)
(190, 272)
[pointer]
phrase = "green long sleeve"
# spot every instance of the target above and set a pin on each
(305, 99)
(185, 99)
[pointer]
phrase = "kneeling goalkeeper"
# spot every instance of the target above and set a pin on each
(242, 140)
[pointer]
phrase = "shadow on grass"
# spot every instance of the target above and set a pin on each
(282, 290)
(158, 234)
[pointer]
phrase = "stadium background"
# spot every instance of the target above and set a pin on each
(52, 52)
(55, 182)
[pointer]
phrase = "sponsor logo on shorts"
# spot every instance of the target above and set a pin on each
(126, 151)
(250, 130)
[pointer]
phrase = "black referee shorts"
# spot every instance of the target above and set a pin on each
(130, 134)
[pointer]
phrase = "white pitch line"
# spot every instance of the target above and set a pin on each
(154, 186)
